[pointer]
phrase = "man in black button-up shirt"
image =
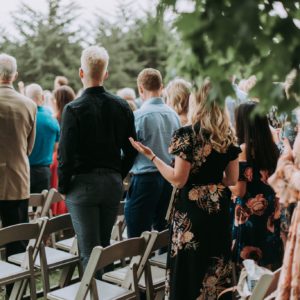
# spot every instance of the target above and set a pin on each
(94, 154)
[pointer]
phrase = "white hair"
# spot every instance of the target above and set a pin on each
(34, 91)
(94, 61)
(127, 94)
(8, 67)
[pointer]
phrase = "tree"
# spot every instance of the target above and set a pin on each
(133, 43)
(230, 37)
(46, 44)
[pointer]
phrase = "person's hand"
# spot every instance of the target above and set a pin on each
(141, 148)
(21, 87)
(287, 150)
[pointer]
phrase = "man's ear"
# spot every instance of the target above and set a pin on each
(161, 89)
(106, 75)
(16, 76)
(140, 89)
(80, 73)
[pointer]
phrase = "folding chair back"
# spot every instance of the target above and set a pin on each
(38, 201)
(120, 224)
(58, 223)
(102, 257)
(162, 240)
(121, 208)
(274, 283)
(19, 232)
(261, 287)
(53, 196)
(127, 248)
(121, 276)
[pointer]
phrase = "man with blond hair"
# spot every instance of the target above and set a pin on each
(95, 131)
(149, 194)
(17, 133)
(47, 135)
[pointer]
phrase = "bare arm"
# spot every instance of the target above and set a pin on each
(177, 176)
(55, 147)
(231, 175)
(239, 189)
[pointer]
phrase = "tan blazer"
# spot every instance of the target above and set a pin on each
(17, 134)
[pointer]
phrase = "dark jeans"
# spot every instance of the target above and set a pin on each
(93, 202)
(13, 212)
(147, 203)
(39, 178)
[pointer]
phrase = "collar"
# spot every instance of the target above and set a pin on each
(155, 101)
(6, 85)
(94, 90)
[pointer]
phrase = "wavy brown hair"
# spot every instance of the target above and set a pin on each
(212, 119)
(62, 95)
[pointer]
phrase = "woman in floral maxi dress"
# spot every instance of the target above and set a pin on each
(205, 164)
(256, 228)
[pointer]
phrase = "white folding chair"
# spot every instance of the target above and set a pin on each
(37, 201)
(265, 286)
(50, 259)
(10, 273)
(120, 276)
(116, 235)
(89, 288)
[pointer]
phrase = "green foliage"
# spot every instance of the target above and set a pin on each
(232, 37)
(46, 46)
(133, 44)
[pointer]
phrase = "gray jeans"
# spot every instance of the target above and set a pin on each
(93, 201)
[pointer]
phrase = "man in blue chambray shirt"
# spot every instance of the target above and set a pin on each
(149, 193)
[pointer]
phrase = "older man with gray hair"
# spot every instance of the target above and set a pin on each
(95, 131)
(47, 136)
(17, 134)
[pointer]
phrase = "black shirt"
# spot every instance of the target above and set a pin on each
(95, 128)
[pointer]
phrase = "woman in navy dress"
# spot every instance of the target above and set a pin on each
(256, 228)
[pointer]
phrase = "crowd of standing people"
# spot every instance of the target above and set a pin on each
(85, 145)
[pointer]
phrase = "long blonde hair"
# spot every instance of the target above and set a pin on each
(213, 119)
(178, 93)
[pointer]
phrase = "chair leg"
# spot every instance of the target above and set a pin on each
(94, 290)
(149, 282)
(80, 270)
(32, 287)
(66, 275)
(17, 291)
(32, 277)
(44, 271)
(160, 295)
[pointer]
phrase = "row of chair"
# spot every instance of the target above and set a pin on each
(40, 259)
(53, 258)
(126, 282)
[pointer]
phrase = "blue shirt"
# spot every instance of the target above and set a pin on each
(47, 134)
(155, 123)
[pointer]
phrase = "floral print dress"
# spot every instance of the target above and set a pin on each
(256, 228)
(199, 256)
